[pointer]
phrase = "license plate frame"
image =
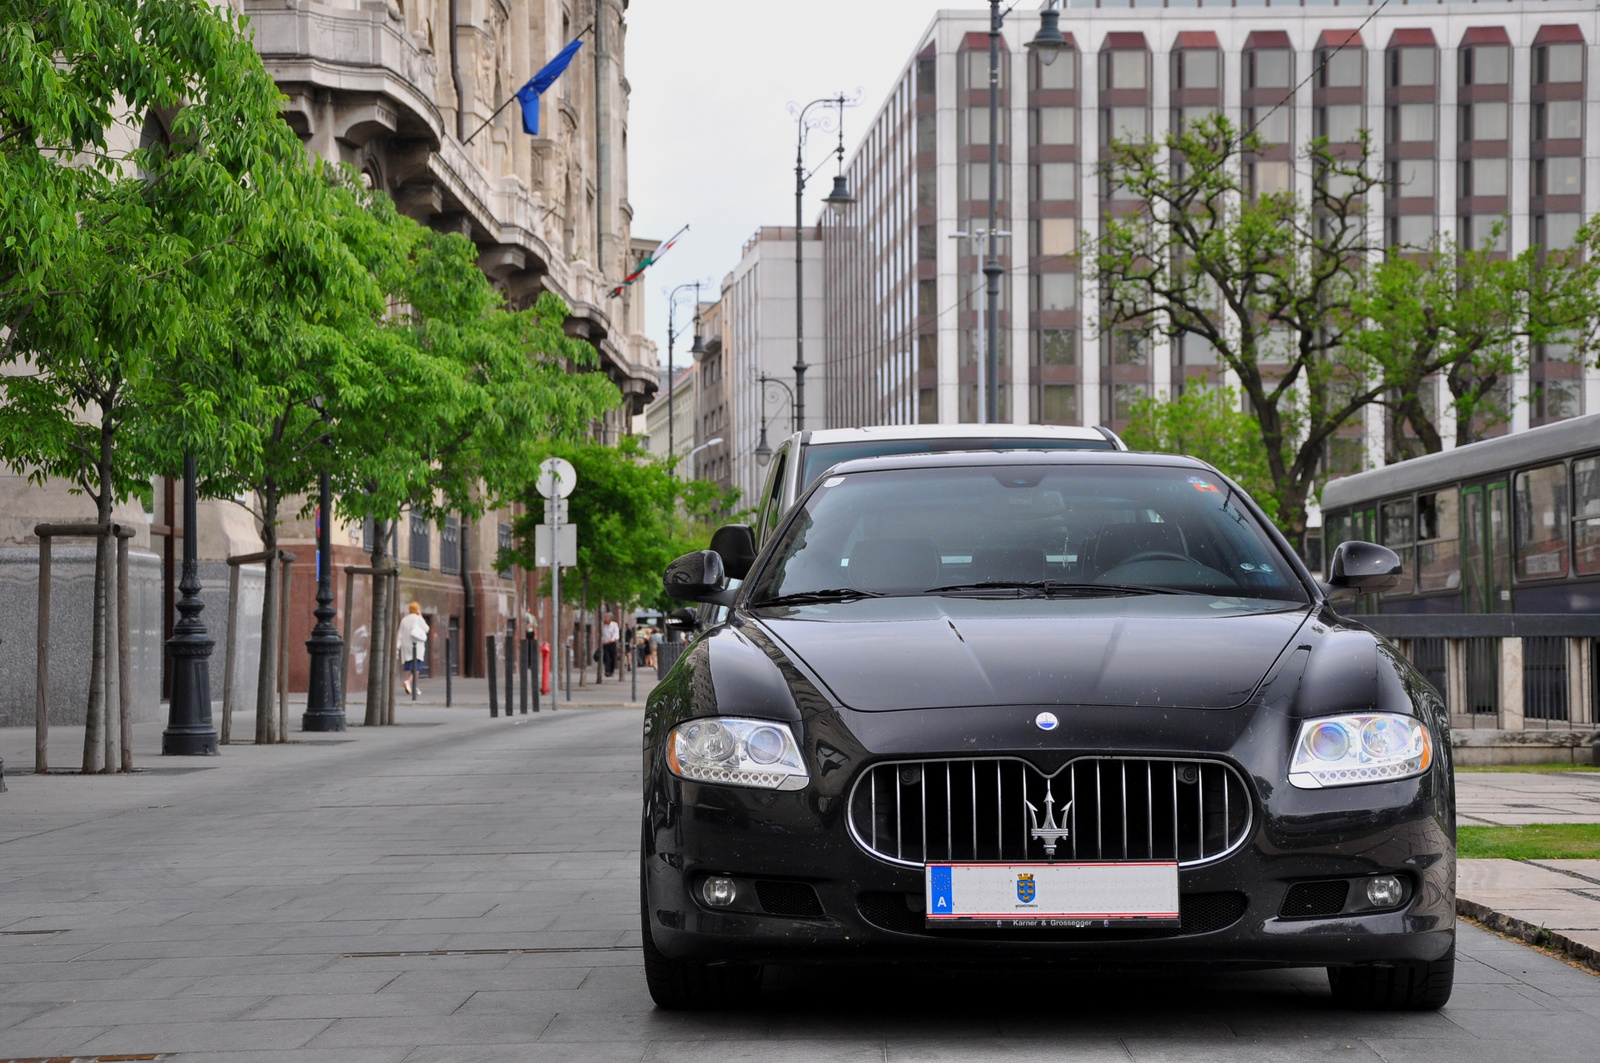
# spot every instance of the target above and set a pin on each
(1055, 895)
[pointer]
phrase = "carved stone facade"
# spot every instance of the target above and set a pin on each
(402, 92)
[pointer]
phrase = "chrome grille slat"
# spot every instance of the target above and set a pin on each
(1211, 811)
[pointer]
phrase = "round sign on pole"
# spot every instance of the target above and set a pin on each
(557, 478)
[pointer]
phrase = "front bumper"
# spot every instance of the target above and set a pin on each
(1233, 906)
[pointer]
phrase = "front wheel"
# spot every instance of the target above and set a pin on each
(1400, 987)
(689, 985)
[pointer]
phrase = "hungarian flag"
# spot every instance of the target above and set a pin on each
(649, 260)
(529, 94)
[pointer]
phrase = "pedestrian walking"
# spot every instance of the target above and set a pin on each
(413, 644)
(655, 646)
(610, 634)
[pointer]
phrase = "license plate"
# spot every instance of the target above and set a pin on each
(1052, 895)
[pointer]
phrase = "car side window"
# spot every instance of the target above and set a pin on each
(772, 505)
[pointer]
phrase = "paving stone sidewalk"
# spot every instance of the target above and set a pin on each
(457, 889)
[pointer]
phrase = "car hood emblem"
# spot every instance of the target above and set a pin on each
(1046, 721)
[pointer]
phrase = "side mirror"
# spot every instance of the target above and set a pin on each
(736, 545)
(698, 577)
(1363, 567)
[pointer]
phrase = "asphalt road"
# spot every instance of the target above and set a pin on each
(460, 889)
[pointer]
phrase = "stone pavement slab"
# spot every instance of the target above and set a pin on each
(1517, 798)
(459, 888)
(1546, 902)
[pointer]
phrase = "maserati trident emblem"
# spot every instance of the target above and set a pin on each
(1052, 831)
(1046, 721)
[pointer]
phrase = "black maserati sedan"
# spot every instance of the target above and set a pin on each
(1083, 710)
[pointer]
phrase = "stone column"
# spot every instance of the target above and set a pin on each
(1511, 684)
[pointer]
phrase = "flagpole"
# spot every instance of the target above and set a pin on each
(508, 102)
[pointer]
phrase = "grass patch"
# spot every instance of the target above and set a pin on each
(1549, 768)
(1535, 841)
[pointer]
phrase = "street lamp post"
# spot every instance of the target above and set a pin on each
(763, 452)
(672, 335)
(190, 731)
(324, 703)
(839, 198)
(1047, 44)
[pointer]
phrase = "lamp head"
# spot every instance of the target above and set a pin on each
(763, 453)
(840, 197)
(1048, 42)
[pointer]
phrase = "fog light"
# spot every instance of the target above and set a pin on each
(718, 891)
(1384, 891)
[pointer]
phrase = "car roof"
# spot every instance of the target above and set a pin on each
(953, 431)
(980, 459)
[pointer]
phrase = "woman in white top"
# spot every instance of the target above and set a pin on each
(413, 643)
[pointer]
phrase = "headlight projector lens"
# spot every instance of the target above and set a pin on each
(1359, 748)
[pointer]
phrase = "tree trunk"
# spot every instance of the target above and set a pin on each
(94, 735)
(380, 646)
(267, 671)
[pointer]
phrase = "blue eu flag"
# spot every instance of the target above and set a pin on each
(529, 94)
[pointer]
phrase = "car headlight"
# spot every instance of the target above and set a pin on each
(1369, 747)
(735, 752)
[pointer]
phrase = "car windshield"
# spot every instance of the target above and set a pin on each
(1024, 530)
(820, 457)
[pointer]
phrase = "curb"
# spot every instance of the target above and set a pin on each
(1526, 932)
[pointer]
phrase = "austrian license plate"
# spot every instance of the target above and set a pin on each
(1052, 895)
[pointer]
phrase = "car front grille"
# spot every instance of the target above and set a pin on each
(1003, 809)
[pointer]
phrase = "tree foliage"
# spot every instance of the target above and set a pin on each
(1208, 424)
(1301, 302)
(141, 157)
(634, 515)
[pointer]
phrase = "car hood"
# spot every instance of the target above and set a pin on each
(1174, 651)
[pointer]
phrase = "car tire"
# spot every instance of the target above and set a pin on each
(1398, 987)
(689, 985)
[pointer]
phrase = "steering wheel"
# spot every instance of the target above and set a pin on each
(1154, 555)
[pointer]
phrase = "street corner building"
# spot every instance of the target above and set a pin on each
(1477, 113)
(398, 91)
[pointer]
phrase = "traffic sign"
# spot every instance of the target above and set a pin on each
(557, 478)
(543, 552)
(555, 511)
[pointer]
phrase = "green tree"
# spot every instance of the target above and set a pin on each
(1266, 281)
(1208, 424)
(634, 515)
(1471, 315)
(141, 150)
(458, 399)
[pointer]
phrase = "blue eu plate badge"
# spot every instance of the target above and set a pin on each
(940, 895)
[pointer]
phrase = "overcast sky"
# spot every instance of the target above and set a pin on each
(710, 141)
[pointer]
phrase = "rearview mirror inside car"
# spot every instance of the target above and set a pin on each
(1364, 567)
(698, 577)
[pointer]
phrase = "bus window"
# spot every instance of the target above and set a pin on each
(1485, 552)
(1586, 513)
(1541, 515)
(1439, 541)
(1397, 530)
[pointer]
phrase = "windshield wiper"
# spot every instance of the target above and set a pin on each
(834, 594)
(1049, 588)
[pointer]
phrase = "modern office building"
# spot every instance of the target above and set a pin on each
(1480, 113)
(758, 341)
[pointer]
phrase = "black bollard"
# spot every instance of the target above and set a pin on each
(522, 667)
(449, 655)
(494, 703)
(511, 676)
